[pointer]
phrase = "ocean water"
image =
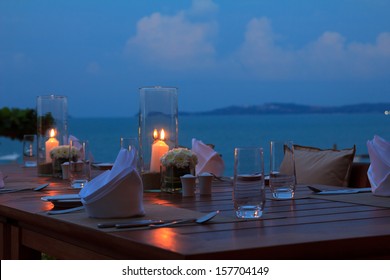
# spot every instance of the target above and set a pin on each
(228, 132)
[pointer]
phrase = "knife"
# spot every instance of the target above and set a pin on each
(344, 191)
(133, 224)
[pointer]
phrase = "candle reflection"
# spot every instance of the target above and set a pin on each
(164, 237)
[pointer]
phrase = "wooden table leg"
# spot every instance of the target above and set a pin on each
(18, 251)
(5, 244)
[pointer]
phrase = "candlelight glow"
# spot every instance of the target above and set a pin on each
(162, 134)
(50, 144)
(159, 148)
(155, 134)
(52, 132)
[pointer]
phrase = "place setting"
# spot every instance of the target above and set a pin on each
(118, 193)
(13, 190)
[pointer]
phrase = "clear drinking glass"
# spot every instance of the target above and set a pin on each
(30, 150)
(282, 170)
(130, 143)
(248, 182)
(79, 163)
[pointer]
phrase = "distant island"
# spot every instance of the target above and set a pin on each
(291, 108)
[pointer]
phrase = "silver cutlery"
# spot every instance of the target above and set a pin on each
(220, 178)
(65, 211)
(157, 223)
(132, 224)
(39, 188)
(341, 191)
(200, 220)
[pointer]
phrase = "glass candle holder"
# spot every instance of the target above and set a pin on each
(52, 129)
(157, 131)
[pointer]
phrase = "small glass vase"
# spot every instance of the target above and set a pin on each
(171, 182)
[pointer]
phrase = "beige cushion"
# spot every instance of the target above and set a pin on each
(325, 167)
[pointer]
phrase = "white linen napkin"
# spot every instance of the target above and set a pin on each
(208, 159)
(117, 192)
(379, 171)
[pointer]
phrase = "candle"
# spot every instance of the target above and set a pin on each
(51, 144)
(159, 148)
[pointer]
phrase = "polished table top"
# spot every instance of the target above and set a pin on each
(308, 227)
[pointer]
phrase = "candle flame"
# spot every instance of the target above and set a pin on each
(162, 134)
(52, 133)
(155, 134)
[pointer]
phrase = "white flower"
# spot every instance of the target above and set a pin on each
(179, 157)
(62, 152)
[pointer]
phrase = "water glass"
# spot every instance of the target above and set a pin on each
(248, 182)
(79, 163)
(129, 143)
(282, 169)
(30, 150)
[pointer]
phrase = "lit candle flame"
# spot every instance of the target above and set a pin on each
(155, 134)
(162, 134)
(159, 148)
(52, 133)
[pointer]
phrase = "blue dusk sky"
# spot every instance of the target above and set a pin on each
(218, 53)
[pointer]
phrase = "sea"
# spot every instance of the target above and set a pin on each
(226, 132)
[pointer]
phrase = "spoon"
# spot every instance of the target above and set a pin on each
(200, 220)
(220, 178)
(41, 187)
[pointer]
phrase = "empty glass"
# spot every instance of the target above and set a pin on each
(30, 150)
(130, 143)
(79, 163)
(248, 182)
(282, 170)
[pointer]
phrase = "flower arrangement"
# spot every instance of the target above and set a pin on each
(62, 152)
(180, 158)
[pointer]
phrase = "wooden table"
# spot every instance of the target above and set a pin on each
(307, 228)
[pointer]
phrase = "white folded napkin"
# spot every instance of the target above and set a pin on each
(1, 180)
(208, 159)
(379, 170)
(117, 192)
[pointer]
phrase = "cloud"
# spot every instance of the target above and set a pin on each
(172, 42)
(186, 42)
(259, 54)
(371, 60)
(203, 8)
(328, 57)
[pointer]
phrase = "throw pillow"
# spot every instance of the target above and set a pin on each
(325, 167)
